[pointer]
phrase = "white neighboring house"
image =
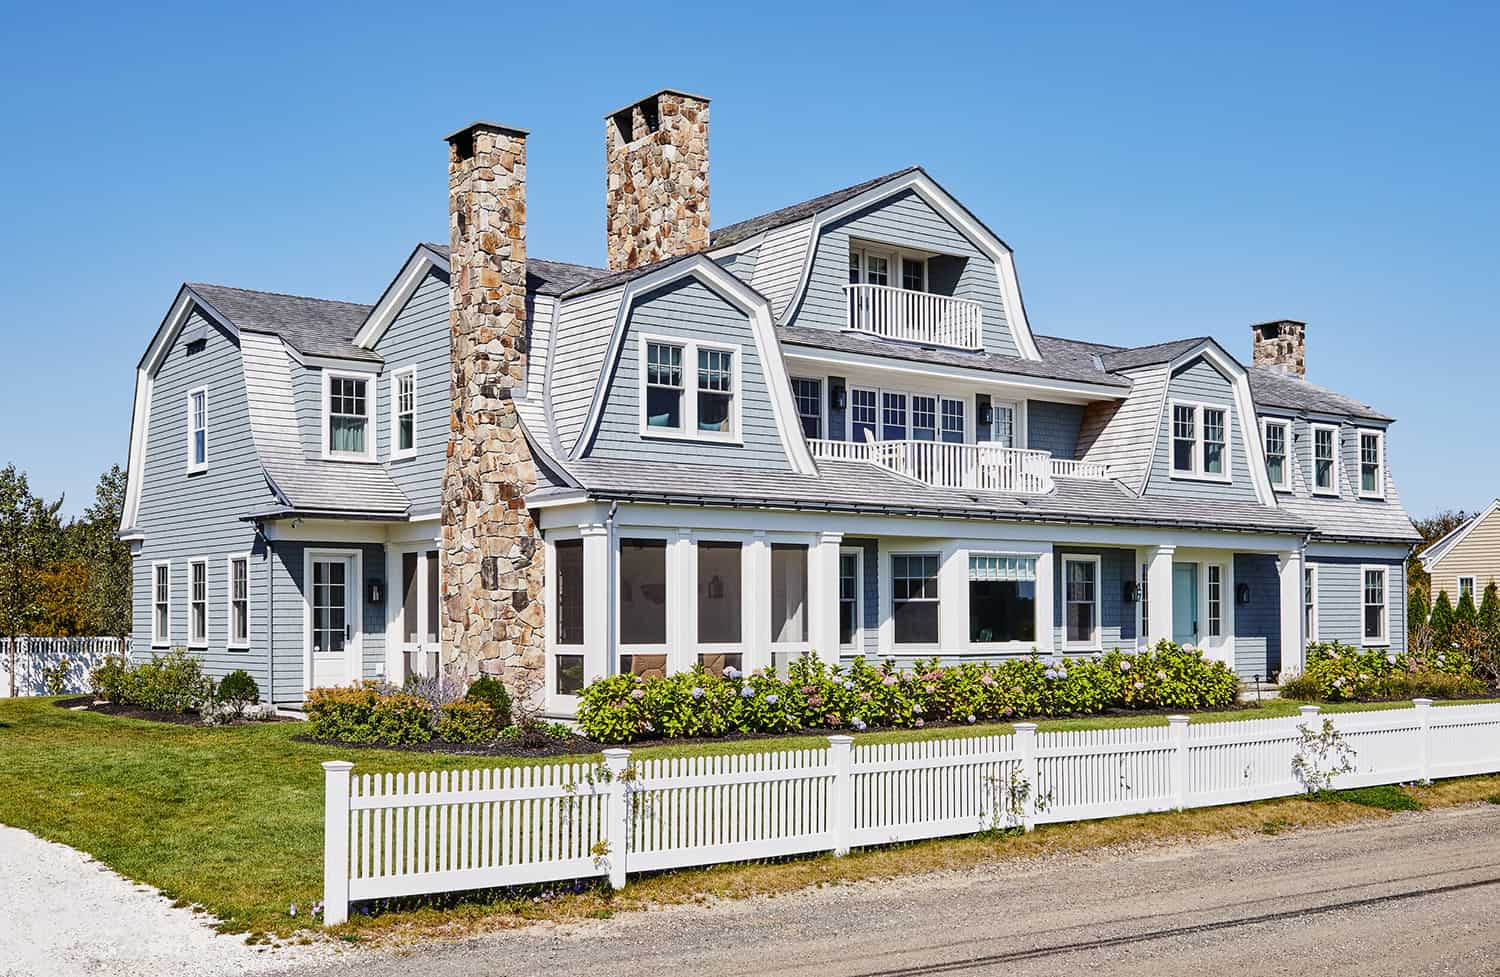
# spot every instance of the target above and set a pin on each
(830, 428)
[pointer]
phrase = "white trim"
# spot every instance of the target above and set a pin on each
(161, 640)
(1285, 485)
(1199, 472)
(371, 394)
(197, 641)
(1384, 639)
(229, 642)
(1076, 391)
(889, 599)
(398, 453)
(1097, 642)
(823, 394)
(193, 465)
(1312, 447)
(1434, 554)
(397, 294)
(690, 390)
(1460, 588)
(354, 610)
(1312, 636)
(1359, 459)
(857, 640)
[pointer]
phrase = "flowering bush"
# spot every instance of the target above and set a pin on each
(860, 696)
(173, 682)
(1336, 672)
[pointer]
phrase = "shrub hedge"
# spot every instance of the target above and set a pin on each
(173, 682)
(815, 695)
(1337, 672)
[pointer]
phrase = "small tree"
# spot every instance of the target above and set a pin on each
(30, 538)
(1489, 615)
(107, 600)
(1440, 626)
(1466, 615)
(1416, 620)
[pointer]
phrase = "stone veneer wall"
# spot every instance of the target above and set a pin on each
(656, 202)
(492, 549)
(1281, 345)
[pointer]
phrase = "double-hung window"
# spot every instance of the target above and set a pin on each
(239, 602)
(346, 416)
(161, 604)
(1002, 599)
(864, 415)
(1325, 440)
(953, 421)
(197, 415)
(914, 598)
(1275, 439)
(1215, 600)
(1372, 464)
(404, 413)
(1184, 438)
(1310, 603)
(849, 587)
(1465, 586)
(1145, 601)
(670, 370)
(1200, 441)
(715, 390)
(663, 386)
(1374, 617)
(809, 397)
(198, 603)
(1080, 602)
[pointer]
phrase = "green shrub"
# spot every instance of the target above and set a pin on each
(468, 721)
(492, 692)
(238, 691)
(173, 682)
(108, 678)
(1336, 672)
(1440, 624)
(368, 715)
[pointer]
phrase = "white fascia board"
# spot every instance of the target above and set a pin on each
(737, 293)
(748, 244)
(1239, 380)
(396, 294)
(1083, 391)
(981, 237)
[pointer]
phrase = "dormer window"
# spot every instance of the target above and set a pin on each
(347, 407)
(1200, 441)
(671, 368)
(1275, 434)
(1372, 464)
(1325, 459)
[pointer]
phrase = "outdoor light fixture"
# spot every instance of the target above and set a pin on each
(1130, 592)
(986, 413)
(375, 593)
(1242, 593)
(839, 397)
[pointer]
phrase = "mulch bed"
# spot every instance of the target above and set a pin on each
(572, 746)
(89, 704)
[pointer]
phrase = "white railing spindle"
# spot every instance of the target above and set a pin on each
(915, 317)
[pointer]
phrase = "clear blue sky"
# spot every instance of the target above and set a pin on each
(1161, 172)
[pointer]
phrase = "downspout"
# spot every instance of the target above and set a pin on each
(612, 606)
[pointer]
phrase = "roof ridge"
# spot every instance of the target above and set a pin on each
(723, 236)
(284, 295)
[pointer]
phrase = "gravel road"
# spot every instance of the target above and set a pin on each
(1414, 895)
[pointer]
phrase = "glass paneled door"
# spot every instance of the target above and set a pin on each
(420, 632)
(333, 613)
(1185, 603)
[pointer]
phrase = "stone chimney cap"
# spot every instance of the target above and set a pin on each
(1278, 322)
(473, 127)
(660, 91)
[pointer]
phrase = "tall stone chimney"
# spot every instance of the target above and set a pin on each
(492, 552)
(656, 165)
(1281, 345)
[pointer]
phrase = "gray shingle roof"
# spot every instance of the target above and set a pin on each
(546, 277)
(1275, 389)
(313, 327)
(745, 229)
(1139, 356)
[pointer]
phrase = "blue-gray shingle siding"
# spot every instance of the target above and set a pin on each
(1054, 427)
(1341, 600)
(1257, 624)
(1117, 619)
(419, 336)
(1200, 382)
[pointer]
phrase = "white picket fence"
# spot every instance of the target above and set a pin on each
(34, 656)
(405, 834)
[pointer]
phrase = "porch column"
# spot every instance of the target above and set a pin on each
(756, 627)
(596, 602)
(682, 602)
(823, 596)
(1293, 642)
(1159, 593)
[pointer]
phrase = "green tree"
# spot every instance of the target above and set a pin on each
(107, 597)
(1466, 614)
(1489, 616)
(30, 539)
(1416, 619)
(1440, 627)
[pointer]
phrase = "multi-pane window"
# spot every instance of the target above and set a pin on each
(1081, 601)
(1003, 424)
(863, 414)
(348, 416)
(239, 602)
(1374, 605)
(1002, 598)
(664, 386)
(1213, 441)
(569, 555)
(924, 417)
(892, 416)
(715, 389)
(1310, 603)
(197, 603)
(1200, 441)
(914, 274)
(198, 430)
(1184, 438)
(1276, 464)
(719, 593)
(1215, 600)
(788, 592)
(809, 397)
(405, 404)
(1325, 440)
(953, 421)
(877, 269)
(848, 598)
(161, 604)
(914, 599)
(1145, 628)
(1371, 463)
(1465, 586)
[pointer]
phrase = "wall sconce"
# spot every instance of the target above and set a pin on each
(1130, 591)
(1242, 593)
(376, 592)
(986, 413)
(839, 397)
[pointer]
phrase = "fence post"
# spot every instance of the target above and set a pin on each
(336, 841)
(1026, 742)
(1424, 750)
(841, 792)
(617, 820)
(1309, 712)
(1179, 727)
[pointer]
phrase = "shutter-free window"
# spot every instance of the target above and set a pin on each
(239, 602)
(348, 416)
(1371, 475)
(809, 397)
(914, 599)
(1275, 443)
(664, 386)
(715, 390)
(719, 593)
(1184, 438)
(1213, 440)
(1002, 598)
(1374, 604)
(1323, 458)
(569, 591)
(198, 603)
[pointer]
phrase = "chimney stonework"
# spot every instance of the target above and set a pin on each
(492, 550)
(656, 168)
(1281, 345)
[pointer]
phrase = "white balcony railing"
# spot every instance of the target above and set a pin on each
(915, 317)
(1064, 468)
(976, 467)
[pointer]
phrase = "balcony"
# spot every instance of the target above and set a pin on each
(915, 317)
(973, 467)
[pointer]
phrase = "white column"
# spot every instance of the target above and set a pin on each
(953, 599)
(1159, 580)
(756, 627)
(682, 602)
(597, 601)
(823, 596)
(1046, 629)
(1293, 643)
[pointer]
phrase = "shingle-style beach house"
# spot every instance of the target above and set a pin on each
(830, 428)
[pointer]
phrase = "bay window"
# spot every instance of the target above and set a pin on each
(1080, 602)
(1002, 599)
(914, 598)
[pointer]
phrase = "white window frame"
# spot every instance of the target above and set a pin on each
(193, 464)
(912, 647)
(1097, 642)
(1143, 606)
(1266, 423)
(1384, 639)
(849, 418)
(161, 639)
(1039, 619)
(1310, 601)
(1017, 419)
(1199, 472)
(858, 638)
(1312, 448)
(689, 430)
(1359, 449)
(195, 639)
(1213, 622)
(822, 404)
(230, 641)
(896, 259)
(398, 452)
(370, 381)
(1472, 595)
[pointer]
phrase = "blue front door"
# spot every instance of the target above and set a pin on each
(1185, 603)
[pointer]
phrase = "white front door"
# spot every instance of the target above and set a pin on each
(332, 595)
(418, 618)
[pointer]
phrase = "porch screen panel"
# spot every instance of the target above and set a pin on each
(788, 593)
(643, 591)
(434, 594)
(409, 583)
(719, 593)
(569, 591)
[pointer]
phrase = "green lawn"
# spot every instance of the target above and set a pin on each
(231, 818)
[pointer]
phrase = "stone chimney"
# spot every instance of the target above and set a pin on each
(656, 165)
(1281, 345)
(492, 552)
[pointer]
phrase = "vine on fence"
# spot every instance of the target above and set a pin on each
(1321, 757)
(1007, 807)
